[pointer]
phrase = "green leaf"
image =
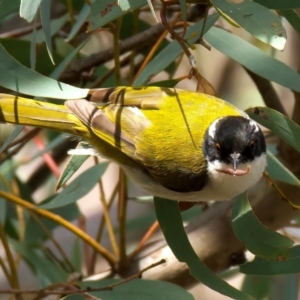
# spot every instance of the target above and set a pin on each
(66, 61)
(43, 63)
(136, 289)
(279, 4)
(76, 258)
(8, 6)
(18, 78)
(256, 237)
(281, 125)
(80, 20)
(46, 22)
(278, 171)
(263, 267)
(55, 26)
(256, 19)
(29, 8)
(258, 286)
(73, 164)
(34, 232)
(12, 136)
(183, 9)
(41, 263)
(77, 188)
(172, 51)
(292, 17)
(169, 218)
(104, 11)
(252, 58)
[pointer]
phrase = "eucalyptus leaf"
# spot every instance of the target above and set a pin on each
(253, 58)
(77, 256)
(256, 19)
(169, 218)
(279, 4)
(40, 263)
(280, 124)
(72, 166)
(279, 172)
(29, 8)
(258, 286)
(77, 188)
(264, 267)
(66, 61)
(46, 21)
(80, 20)
(18, 78)
(8, 6)
(34, 232)
(12, 136)
(104, 11)
(292, 17)
(53, 27)
(183, 8)
(136, 289)
(256, 237)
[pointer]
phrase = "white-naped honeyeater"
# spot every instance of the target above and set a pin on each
(174, 143)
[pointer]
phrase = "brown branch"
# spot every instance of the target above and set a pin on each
(73, 290)
(135, 42)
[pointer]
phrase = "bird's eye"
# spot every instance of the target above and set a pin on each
(251, 145)
(218, 147)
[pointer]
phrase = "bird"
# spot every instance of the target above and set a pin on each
(176, 144)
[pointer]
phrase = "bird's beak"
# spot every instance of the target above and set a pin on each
(235, 158)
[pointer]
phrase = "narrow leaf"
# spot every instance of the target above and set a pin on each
(256, 19)
(8, 6)
(72, 166)
(136, 289)
(46, 21)
(12, 136)
(281, 125)
(253, 58)
(18, 78)
(264, 267)
(29, 8)
(80, 20)
(169, 218)
(278, 171)
(77, 188)
(292, 17)
(279, 4)
(256, 237)
(104, 11)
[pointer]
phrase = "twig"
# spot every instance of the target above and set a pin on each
(101, 227)
(135, 42)
(122, 212)
(58, 219)
(13, 272)
(81, 291)
(107, 218)
(145, 238)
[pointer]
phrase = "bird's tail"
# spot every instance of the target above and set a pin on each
(18, 110)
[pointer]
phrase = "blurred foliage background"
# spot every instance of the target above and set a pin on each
(248, 51)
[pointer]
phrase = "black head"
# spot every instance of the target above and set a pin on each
(233, 140)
